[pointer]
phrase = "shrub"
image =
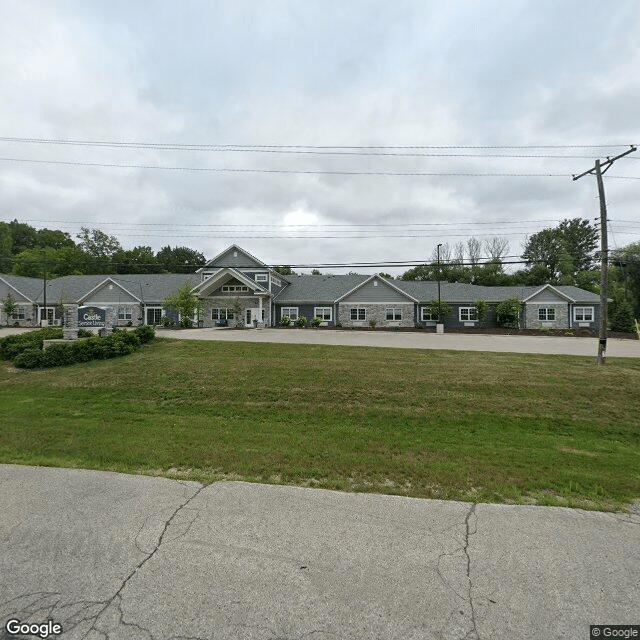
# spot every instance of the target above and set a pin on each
(316, 321)
(372, 324)
(29, 359)
(11, 346)
(165, 321)
(119, 343)
(285, 321)
(145, 333)
(301, 321)
(84, 333)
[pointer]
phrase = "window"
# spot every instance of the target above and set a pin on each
(583, 314)
(425, 315)
(262, 277)
(221, 314)
(358, 313)
(292, 312)
(322, 312)
(275, 281)
(234, 287)
(19, 314)
(394, 314)
(546, 313)
(468, 314)
(125, 313)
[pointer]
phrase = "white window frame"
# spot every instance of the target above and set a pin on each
(394, 312)
(292, 312)
(262, 277)
(231, 288)
(326, 313)
(360, 314)
(275, 281)
(582, 310)
(470, 312)
(125, 313)
(425, 316)
(547, 314)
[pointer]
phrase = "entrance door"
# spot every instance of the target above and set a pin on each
(49, 317)
(253, 315)
(154, 315)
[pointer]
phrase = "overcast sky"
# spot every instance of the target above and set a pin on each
(318, 74)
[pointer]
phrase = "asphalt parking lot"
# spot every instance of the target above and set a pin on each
(108, 555)
(572, 346)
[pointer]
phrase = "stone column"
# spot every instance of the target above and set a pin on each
(111, 319)
(70, 320)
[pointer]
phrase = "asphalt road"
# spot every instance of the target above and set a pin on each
(133, 557)
(616, 348)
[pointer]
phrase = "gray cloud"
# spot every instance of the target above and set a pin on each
(314, 73)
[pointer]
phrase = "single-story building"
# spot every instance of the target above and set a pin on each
(235, 288)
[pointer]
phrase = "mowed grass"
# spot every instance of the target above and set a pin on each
(482, 427)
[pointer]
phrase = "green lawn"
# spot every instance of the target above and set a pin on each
(484, 427)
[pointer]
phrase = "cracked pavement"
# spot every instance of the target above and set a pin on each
(111, 556)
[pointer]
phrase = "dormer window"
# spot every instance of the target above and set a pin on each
(262, 277)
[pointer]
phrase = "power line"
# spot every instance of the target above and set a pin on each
(364, 152)
(291, 171)
(172, 145)
(280, 226)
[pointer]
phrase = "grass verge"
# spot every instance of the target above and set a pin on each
(483, 427)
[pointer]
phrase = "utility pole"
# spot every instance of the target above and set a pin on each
(44, 268)
(439, 302)
(600, 169)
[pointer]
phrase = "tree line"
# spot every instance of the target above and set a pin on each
(27, 251)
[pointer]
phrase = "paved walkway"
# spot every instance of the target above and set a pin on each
(409, 340)
(138, 558)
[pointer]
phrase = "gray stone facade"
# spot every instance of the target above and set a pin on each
(377, 312)
(532, 319)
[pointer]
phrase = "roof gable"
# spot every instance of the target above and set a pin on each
(210, 284)
(234, 257)
(548, 293)
(108, 291)
(376, 289)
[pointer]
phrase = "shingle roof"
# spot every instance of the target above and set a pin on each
(29, 287)
(155, 287)
(322, 288)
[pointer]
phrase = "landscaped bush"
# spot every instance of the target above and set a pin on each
(301, 321)
(11, 346)
(119, 343)
(316, 321)
(285, 321)
(29, 359)
(145, 333)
